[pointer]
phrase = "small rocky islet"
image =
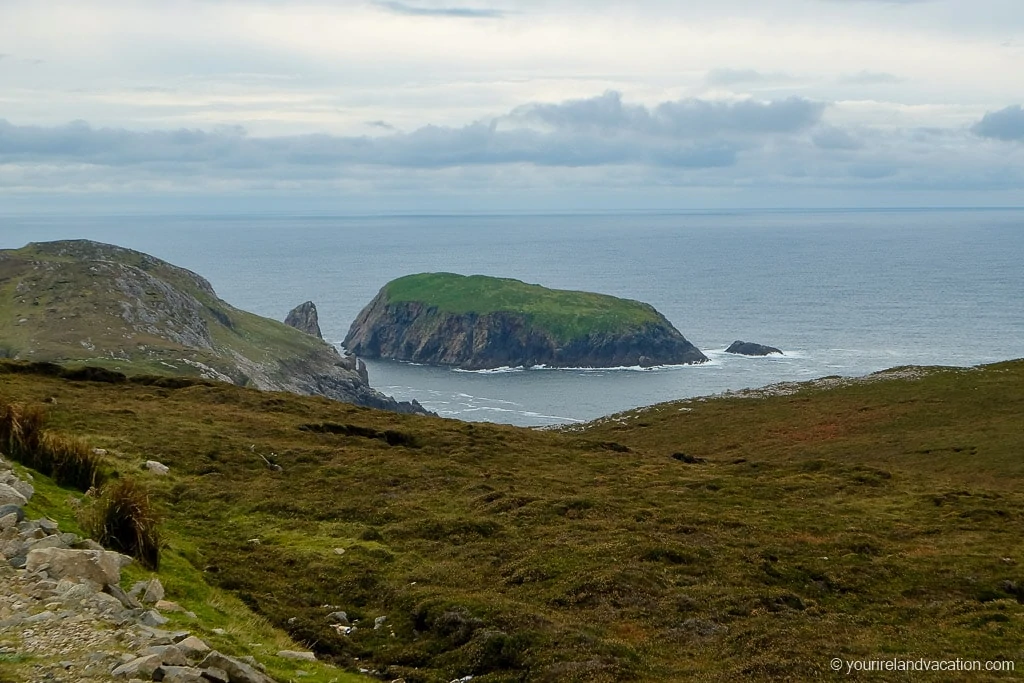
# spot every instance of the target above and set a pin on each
(479, 322)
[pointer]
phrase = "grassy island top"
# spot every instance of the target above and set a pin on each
(565, 313)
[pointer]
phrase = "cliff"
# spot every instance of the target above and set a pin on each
(83, 301)
(480, 322)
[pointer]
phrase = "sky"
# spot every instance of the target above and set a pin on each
(501, 105)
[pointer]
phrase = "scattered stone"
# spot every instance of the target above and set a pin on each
(338, 618)
(9, 521)
(379, 622)
(13, 509)
(170, 655)
(193, 647)
(179, 674)
(157, 468)
(99, 451)
(48, 525)
(168, 606)
(238, 671)
(10, 496)
(294, 654)
(688, 459)
(140, 667)
(125, 599)
(154, 592)
(215, 675)
(99, 567)
(152, 618)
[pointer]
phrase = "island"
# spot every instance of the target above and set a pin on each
(479, 322)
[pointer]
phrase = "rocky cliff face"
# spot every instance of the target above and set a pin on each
(82, 301)
(415, 332)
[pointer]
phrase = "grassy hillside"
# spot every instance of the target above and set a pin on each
(124, 310)
(563, 313)
(706, 539)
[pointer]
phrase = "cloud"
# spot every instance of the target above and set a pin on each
(727, 77)
(869, 78)
(830, 137)
(1005, 124)
(681, 118)
(456, 12)
(380, 124)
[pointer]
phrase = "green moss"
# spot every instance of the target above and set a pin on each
(565, 314)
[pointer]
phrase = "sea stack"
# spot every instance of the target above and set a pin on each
(304, 317)
(478, 322)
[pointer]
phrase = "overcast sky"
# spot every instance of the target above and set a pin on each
(511, 105)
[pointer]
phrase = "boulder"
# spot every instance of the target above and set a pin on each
(193, 647)
(299, 655)
(12, 509)
(141, 667)
(10, 496)
(153, 593)
(743, 348)
(156, 467)
(179, 674)
(238, 671)
(304, 317)
(97, 567)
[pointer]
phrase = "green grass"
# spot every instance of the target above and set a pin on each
(565, 314)
(867, 521)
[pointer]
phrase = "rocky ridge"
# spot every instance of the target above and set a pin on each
(99, 304)
(63, 610)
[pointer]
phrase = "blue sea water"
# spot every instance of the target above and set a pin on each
(841, 292)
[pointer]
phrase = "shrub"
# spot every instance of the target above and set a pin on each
(70, 461)
(123, 519)
(21, 430)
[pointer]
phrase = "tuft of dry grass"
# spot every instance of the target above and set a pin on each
(70, 461)
(123, 519)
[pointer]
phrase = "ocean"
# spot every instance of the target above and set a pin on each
(840, 292)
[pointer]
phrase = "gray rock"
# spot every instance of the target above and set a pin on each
(379, 622)
(170, 655)
(156, 467)
(48, 525)
(304, 317)
(140, 667)
(125, 599)
(11, 508)
(154, 592)
(215, 675)
(338, 618)
(179, 674)
(10, 496)
(24, 488)
(152, 618)
(237, 671)
(98, 567)
(9, 521)
(751, 349)
(193, 647)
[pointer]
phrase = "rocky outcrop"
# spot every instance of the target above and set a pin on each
(305, 319)
(751, 349)
(420, 333)
(86, 302)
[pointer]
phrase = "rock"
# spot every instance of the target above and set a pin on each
(153, 593)
(140, 667)
(238, 671)
(751, 349)
(125, 599)
(97, 567)
(688, 459)
(215, 675)
(48, 525)
(338, 618)
(294, 654)
(379, 622)
(24, 488)
(155, 467)
(10, 496)
(193, 647)
(170, 655)
(12, 509)
(9, 521)
(304, 317)
(179, 674)
(152, 618)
